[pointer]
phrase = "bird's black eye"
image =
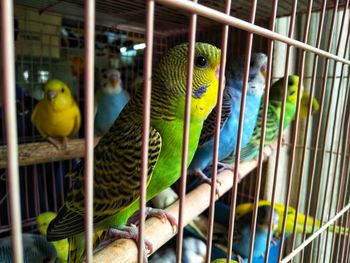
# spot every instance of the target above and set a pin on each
(62, 90)
(201, 61)
(290, 83)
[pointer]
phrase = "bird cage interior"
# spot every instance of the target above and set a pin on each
(277, 190)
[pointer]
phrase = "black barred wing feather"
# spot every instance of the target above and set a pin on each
(117, 164)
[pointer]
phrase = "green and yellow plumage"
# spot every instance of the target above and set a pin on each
(245, 208)
(251, 150)
(304, 105)
(117, 157)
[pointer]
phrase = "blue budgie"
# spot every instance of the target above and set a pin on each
(230, 114)
(35, 249)
(110, 100)
(242, 232)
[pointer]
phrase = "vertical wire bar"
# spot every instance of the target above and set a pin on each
(295, 132)
(182, 194)
(336, 165)
(239, 134)
(346, 186)
(9, 99)
(89, 29)
(146, 111)
(281, 121)
(345, 217)
(319, 122)
(343, 173)
(264, 118)
(346, 224)
(258, 176)
(335, 10)
(318, 42)
(347, 243)
(224, 39)
(334, 124)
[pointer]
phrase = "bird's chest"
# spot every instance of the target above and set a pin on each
(168, 167)
(57, 123)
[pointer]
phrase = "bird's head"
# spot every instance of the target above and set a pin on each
(58, 94)
(113, 77)
(257, 74)
(43, 220)
(276, 90)
(172, 73)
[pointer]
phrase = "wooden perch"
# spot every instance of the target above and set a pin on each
(44, 152)
(125, 250)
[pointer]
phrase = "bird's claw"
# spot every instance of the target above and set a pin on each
(59, 145)
(206, 180)
(274, 241)
(131, 232)
(231, 167)
(154, 212)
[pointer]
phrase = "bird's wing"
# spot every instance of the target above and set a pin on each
(208, 130)
(117, 166)
(77, 119)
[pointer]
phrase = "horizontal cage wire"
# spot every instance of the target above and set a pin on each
(238, 139)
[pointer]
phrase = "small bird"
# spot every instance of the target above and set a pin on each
(304, 105)
(242, 231)
(110, 100)
(117, 159)
(57, 115)
(245, 208)
(42, 222)
(230, 114)
(251, 150)
(35, 250)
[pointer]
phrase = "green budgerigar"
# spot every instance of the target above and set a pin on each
(117, 157)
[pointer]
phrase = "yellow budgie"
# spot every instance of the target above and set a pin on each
(57, 115)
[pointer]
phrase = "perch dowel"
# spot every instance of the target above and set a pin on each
(44, 152)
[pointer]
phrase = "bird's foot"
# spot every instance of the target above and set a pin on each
(131, 232)
(65, 142)
(54, 142)
(231, 167)
(154, 212)
(274, 241)
(206, 180)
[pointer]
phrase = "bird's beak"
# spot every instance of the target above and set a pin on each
(52, 94)
(113, 80)
(263, 71)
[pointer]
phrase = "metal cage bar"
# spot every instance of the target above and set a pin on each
(89, 29)
(146, 111)
(9, 99)
(224, 40)
(191, 46)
